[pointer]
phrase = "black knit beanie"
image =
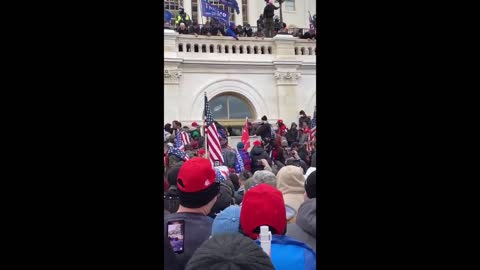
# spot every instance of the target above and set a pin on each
(229, 251)
(311, 185)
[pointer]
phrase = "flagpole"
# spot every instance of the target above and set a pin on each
(205, 125)
(205, 133)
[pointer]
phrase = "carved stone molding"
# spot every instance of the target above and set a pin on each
(287, 77)
(172, 76)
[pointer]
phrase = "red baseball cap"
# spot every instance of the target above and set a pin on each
(263, 205)
(196, 182)
(257, 143)
(194, 124)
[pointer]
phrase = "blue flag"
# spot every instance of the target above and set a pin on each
(209, 10)
(231, 3)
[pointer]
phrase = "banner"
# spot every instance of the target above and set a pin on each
(209, 10)
(231, 3)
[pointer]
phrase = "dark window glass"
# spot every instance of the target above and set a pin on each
(218, 106)
(238, 108)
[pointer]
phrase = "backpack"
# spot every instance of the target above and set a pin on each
(288, 253)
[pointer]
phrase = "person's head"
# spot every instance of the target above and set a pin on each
(227, 221)
(181, 10)
(195, 134)
(290, 181)
(311, 185)
(182, 26)
(224, 198)
(229, 251)
(243, 177)
(284, 25)
(312, 26)
(296, 146)
(280, 122)
(235, 180)
(293, 125)
(196, 184)
(257, 143)
(240, 145)
(302, 113)
(202, 153)
(176, 124)
(195, 125)
(304, 124)
(263, 205)
(168, 127)
(264, 118)
(266, 177)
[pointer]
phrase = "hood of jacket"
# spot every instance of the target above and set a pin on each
(307, 217)
(256, 151)
(290, 180)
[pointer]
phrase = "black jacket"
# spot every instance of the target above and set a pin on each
(292, 135)
(303, 119)
(257, 153)
(268, 11)
(264, 131)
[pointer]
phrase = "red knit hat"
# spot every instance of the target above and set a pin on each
(262, 205)
(196, 182)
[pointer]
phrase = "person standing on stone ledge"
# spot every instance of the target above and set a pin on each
(268, 13)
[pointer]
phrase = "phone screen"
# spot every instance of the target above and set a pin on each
(176, 235)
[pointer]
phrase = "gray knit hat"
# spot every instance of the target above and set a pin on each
(228, 251)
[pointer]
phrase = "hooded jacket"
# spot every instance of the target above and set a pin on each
(305, 228)
(257, 153)
(291, 182)
(292, 134)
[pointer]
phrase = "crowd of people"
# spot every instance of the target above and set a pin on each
(213, 213)
(268, 25)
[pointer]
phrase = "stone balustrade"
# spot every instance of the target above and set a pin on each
(225, 46)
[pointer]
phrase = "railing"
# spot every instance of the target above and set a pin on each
(225, 45)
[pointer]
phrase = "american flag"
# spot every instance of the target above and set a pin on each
(213, 142)
(313, 130)
(185, 138)
(177, 152)
(179, 142)
(313, 127)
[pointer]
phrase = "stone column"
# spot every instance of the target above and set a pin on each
(287, 76)
(239, 16)
(187, 5)
(287, 81)
(172, 75)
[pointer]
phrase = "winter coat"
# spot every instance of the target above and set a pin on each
(257, 153)
(292, 135)
(288, 253)
(229, 157)
(264, 131)
(303, 119)
(269, 11)
(291, 182)
(305, 229)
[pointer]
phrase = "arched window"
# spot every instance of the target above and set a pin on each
(230, 110)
